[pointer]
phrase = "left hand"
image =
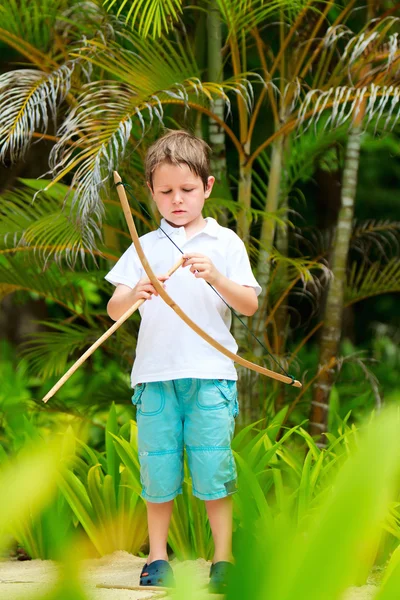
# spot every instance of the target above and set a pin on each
(202, 267)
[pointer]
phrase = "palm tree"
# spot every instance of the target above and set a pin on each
(332, 327)
(111, 87)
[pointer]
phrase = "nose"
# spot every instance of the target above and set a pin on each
(176, 199)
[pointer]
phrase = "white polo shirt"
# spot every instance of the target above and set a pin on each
(167, 348)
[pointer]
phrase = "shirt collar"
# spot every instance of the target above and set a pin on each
(211, 228)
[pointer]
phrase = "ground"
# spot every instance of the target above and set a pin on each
(19, 580)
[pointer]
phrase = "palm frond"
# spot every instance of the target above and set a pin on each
(343, 101)
(372, 280)
(308, 148)
(71, 26)
(381, 236)
(355, 59)
(301, 268)
(361, 71)
(152, 18)
(151, 67)
(305, 150)
(36, 23)
(51, 284)
(103, 116)
(216, 207)
(147, 65)
(31, 20)
(373, 44)
(48, 351)
(47, 227)
(110, 114)
(27, 99)
(241, 16)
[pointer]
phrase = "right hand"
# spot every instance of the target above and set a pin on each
(145, 289)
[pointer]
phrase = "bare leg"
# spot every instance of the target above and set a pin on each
(158, 519)
(220, 517)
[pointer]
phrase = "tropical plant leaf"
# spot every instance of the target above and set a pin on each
(52, 284)
(307, 149)
(32, 21)
(45, 226)
(27, 98)
(342, 102)
(293, 573)
(77, 497)
(103, 115)
(38, 29)
(96, 133)
(352, 69)
(33, 475)
(48, 351)
(372, 280)
(241, 16)
(380, 237)
(152, 18)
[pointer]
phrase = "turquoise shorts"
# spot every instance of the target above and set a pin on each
(196, 414)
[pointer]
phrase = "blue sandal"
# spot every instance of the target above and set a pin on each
(220, 575)
(157, 573)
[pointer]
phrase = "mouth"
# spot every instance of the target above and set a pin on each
(178, 212)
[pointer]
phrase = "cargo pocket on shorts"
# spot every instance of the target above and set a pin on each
(137, 393)
(209, 396)
(229, 390)
(153, 401)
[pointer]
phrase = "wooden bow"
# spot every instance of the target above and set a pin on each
(163, 294)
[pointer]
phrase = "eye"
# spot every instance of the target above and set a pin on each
(166, 192)
(191, 190)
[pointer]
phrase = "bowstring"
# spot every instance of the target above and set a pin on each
(128, 188)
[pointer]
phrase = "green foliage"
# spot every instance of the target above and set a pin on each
(34, 22)
(371, 280)
(49, 227)
(30, 481)
(291, 511)
(156, 16)
(104, 497)
(78, 402)
(355, 507)
(36, 534)
(345, 527)
(28, 510)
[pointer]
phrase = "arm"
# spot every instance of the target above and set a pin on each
(124, 297)
(239, 297)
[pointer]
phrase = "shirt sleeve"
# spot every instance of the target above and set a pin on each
(127, 270)
(239, 268)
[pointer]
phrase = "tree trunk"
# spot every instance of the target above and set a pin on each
(331, 330)
(216, 133)
(244, 199)
(268, 226)
(282, 314)
(282, 319)
(251, 388)
(245, 383)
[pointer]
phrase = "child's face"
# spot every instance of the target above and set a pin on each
(179, 194)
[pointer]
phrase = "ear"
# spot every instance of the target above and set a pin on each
(210, 183)
(149, 186)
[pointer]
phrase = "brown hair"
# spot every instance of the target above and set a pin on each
(177, 147)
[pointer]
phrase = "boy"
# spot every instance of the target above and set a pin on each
(185, 390)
